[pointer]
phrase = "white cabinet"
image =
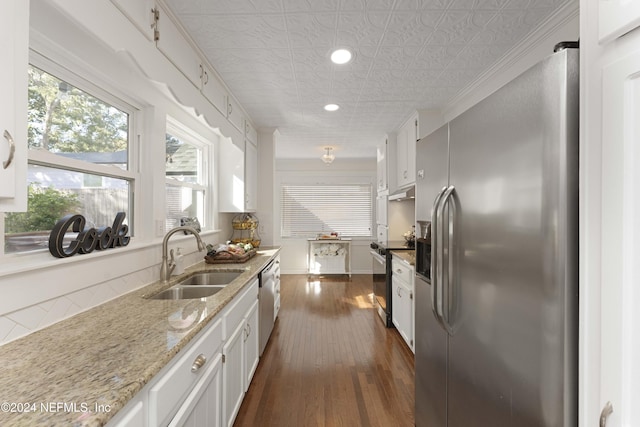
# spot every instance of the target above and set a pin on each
(175, 46)
(381, 165)
(132, 415)
(173, 389)
(251, 344)
(402, 302)
(406, 153)
(382, 199)
(140, 13)
(251, 134)
(276, 289)
(213, 89)
(238, 174)
(14, 48)
(250, 177)
(203, 406)
(240, 352)
(234, 114)
(617, 17)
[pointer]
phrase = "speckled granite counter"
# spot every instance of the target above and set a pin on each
(407, 256)
(81, 371)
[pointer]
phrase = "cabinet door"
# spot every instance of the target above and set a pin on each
(233, 374)
(214, 91)
(232, 179)
(402, 173)
(251, 177)
(619, 381)
(401, 310)
(140, 13)
(250, 132)
(251, 344)
(381, 168)
(617, 17)
(174, 45)
(132, 415)
(412, 139)
(14, 48)
(203, 406)
(381, 208)
(234, 114)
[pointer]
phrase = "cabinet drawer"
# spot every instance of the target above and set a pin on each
(239, 308)
(402, 271)
(167, 394)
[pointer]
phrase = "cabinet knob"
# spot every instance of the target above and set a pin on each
(12, 149)
(198, 363)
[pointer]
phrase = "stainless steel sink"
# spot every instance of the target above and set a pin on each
(211, 278)
(189, 292)
(199, 285)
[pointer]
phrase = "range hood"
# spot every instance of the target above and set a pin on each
(404, 194)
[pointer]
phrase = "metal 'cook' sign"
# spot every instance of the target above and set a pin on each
(87, 240)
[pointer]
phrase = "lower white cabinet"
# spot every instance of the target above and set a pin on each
(205, 384)
(402, 302)
(203, 406)
(173, 390)
(251, 344)
(240, 352)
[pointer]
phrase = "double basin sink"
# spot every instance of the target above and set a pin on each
(199, 285)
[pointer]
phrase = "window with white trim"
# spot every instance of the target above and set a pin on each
(186, 175)
(79, 139)
(311, 209)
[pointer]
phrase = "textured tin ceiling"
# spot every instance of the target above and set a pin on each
(409, 54)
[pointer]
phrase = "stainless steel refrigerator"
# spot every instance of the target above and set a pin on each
(496, 313)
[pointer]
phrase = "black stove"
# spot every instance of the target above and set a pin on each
(382, 272)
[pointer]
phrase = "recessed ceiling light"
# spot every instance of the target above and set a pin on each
(341, 56)
(331, 107)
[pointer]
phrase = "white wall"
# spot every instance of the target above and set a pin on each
(294, 251)
(38, 289)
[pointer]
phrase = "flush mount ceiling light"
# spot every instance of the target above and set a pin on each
(331, 107)
(341, 56)
(328, 157)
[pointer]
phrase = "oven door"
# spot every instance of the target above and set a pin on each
(380, 283)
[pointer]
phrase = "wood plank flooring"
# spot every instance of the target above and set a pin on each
(330, 361)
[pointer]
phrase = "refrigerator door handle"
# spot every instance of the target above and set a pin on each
(446, 196)
(435, 255)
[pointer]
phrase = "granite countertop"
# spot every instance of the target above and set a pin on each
(407, 256)
(82, 370)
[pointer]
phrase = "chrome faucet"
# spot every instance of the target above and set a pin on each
(169, 264)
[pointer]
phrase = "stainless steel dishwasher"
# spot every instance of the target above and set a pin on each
(267, 282)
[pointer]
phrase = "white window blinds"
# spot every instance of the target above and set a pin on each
(319, 208)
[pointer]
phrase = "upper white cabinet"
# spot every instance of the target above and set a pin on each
(14, 48)
(617, 17)
(238, 174)
(381, 168)
(250, 177)
(175, 46)
(141, 13)
(213, 89)
(406, 153)
(234, 114)
(250, 132)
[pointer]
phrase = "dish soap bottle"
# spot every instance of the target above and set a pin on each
(179, 262)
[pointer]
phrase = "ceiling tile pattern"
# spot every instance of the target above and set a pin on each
(409, 54)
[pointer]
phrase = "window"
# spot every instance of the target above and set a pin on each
(185, 174)
(78, 161)
(311, 209)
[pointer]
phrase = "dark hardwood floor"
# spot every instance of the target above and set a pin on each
(330, 361)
